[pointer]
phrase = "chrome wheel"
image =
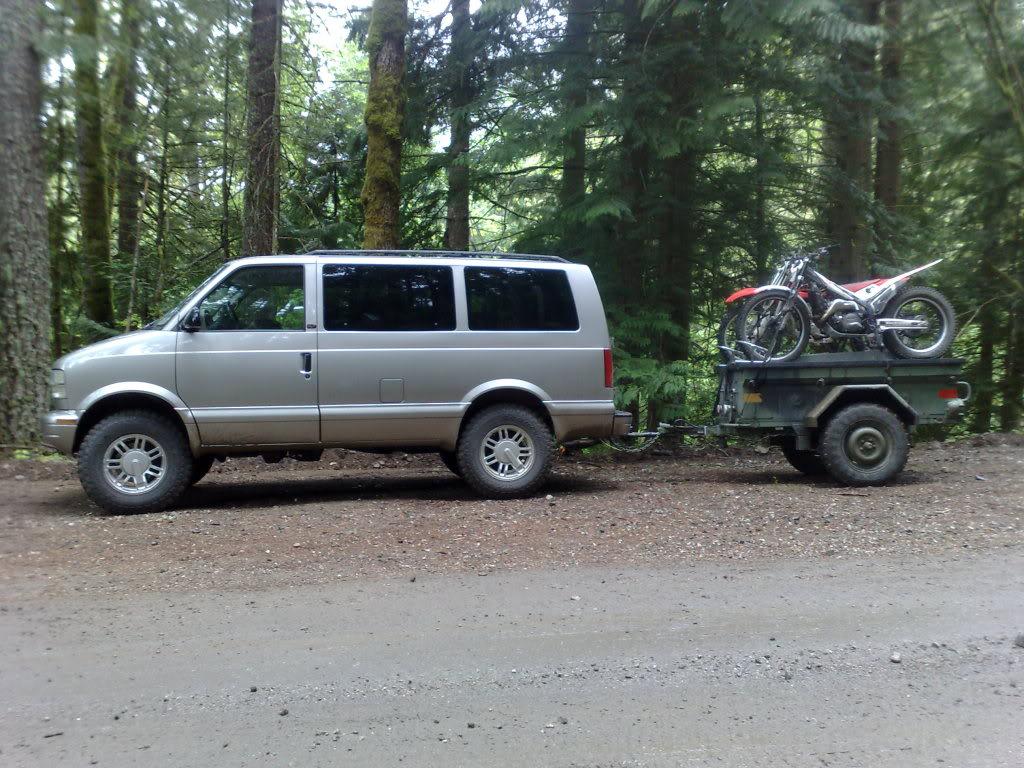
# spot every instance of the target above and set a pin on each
(507, 452)
(134, 464)
(866, 446)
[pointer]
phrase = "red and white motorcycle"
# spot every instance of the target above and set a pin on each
(777, 321)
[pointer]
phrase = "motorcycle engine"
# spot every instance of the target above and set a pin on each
(849, 322)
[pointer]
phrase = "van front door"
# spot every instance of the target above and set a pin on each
(248, 373)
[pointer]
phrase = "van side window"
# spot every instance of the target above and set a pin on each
(256, 299)
(388, 298)
(517, 299)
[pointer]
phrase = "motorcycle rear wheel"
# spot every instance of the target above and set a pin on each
(762, 314)
(916, 301)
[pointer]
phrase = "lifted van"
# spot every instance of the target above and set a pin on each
(486, 359)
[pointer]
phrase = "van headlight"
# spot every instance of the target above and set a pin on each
(58, 384)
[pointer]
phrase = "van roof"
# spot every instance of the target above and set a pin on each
(430, 255)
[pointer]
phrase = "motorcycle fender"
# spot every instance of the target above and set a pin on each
(743, 293)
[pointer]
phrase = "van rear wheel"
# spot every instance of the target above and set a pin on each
(505, 451)
(451, 460)
(135, 461)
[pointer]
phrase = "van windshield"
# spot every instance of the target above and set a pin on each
(165, 318)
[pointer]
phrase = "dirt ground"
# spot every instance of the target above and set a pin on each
(251, 525)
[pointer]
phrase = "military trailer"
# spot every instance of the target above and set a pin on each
(845, 414)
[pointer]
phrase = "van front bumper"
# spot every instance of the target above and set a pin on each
(58, 430)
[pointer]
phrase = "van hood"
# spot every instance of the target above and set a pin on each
(134, 343)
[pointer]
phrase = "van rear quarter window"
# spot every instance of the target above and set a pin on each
(519, 299)
(383, 297)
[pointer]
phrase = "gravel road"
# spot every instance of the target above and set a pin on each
(673, 612)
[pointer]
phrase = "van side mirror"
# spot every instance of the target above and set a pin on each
(193, 321)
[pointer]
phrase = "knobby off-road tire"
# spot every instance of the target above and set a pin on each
(797, 313)
(200, 468)
(500, 426)
(864, 445)
(807, 462)
(176, 462)
(943, 309)
(451, 460)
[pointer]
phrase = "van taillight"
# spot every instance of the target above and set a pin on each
(608, 370)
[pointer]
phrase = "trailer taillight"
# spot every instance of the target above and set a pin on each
(608, 369)
(949, 394)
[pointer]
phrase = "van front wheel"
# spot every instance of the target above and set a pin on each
(506, 451)
(135, 461)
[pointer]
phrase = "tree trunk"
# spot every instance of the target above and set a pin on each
(24, 257)
(92, 169)
(259, 225)
(128, 177)
(385, 104)
(889, 150)
(460, 62)
(225, 157)
(575, 81)
(848, 151)
(984, 386)
(1012, 406)
(576, 74)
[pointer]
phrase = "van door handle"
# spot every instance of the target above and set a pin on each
(307, 364)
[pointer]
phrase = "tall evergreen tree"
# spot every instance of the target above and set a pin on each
(94, 217)
(24, 256)
(460, 63)
(262, 185)
(385, 101)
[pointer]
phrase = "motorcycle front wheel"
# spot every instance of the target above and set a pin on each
(921, 303)
(781, 331)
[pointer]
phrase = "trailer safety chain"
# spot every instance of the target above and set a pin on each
(640, 441)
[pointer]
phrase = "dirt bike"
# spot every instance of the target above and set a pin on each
(777, 321)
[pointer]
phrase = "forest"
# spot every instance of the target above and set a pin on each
(677, 147)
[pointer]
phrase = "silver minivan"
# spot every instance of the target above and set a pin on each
(486, 359)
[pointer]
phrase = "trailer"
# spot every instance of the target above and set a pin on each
(845, 414)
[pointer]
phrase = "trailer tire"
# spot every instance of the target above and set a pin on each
(864, 444)
(808, 462)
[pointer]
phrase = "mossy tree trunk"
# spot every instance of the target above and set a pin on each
(385, 104)
(24, 254)
(460, 62)
(260, 205)
(92, 166)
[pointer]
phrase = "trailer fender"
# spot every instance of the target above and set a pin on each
(845, 394)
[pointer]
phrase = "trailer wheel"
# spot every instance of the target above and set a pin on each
(864, 445)
(807, 462)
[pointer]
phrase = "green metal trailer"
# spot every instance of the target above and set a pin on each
(846, 414)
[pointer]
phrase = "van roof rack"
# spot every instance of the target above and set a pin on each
(441, 254)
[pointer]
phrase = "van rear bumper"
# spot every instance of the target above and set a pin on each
(575, 420)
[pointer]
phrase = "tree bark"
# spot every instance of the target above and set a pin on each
(259, 225)
(1012, 407)
(460, 63)
(385, 104)
(92, 169)
(129, 181)
(889, 149)
(24, 256)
